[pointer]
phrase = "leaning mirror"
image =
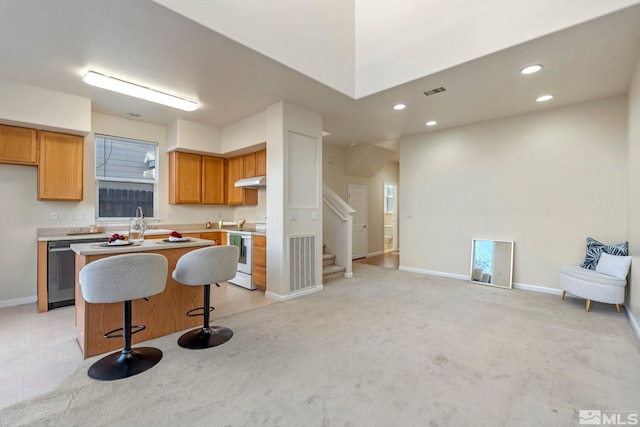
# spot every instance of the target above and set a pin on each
(492, 262)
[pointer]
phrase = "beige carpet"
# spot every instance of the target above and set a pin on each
(386, 348)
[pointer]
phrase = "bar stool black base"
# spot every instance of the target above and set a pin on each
(122, 364)
(198, 339)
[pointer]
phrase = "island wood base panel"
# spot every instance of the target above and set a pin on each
(163, 314)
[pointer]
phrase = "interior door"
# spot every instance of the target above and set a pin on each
(358, 201)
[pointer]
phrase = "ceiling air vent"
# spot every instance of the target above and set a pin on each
(434, 91)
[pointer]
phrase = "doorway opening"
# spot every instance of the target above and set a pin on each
(390, 213)
(358, 201)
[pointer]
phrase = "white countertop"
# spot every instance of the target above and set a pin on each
(146, 246)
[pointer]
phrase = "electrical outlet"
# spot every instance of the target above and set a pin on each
(314, 216)
(169, 215)
(219, 215)
(53, 216)
(77, 216)
(293, 215)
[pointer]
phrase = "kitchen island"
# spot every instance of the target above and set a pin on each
(162, 314)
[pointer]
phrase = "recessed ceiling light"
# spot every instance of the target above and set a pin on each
(131, 89)
(544, 98)
(431, 123)
(399, 107)
(531, 69)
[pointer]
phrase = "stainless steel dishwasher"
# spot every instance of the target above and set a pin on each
(61, 271)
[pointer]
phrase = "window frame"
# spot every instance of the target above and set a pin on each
(388, 198)
(99, 179)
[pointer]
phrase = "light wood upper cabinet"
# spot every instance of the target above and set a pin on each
(185, 178)
(249, 165)
(60, 166)
(261, 163)
(213, 180)
(18, 146)
(239, 195)
(235, 172)
(196, 179)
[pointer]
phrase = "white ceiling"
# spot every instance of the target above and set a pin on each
(52, 44)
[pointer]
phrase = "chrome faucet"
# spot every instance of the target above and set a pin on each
(137, 227)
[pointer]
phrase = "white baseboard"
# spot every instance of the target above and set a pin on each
(534, 288)
(348, 275)
(18, 301)
(434, 273)
(370, 254)
(298, 294)
(634, 323)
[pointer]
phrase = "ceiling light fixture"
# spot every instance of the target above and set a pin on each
(399, 107)
(544, 98)
(431, 123)
(126, 88)
(531, 69)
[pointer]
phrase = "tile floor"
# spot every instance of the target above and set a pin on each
(37, 350)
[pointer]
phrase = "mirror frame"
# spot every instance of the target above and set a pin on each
(473, 257)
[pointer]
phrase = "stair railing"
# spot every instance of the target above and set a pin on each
(337, 228)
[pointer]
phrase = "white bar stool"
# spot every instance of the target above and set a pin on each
(206, 266)
(122, 278)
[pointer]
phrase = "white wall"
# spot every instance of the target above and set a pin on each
(245, 133)
(289, 125)
(633, 299)
(21, 212)
(39, 108)
(452, 32)
(193, 137)
(546, 180)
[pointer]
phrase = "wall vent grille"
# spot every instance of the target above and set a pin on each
(434, 91)
(302, 262)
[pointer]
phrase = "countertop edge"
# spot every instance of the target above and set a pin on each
(84, 249)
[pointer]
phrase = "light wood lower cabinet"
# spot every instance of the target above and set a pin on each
(18, 146)
(260, 262)
(162, 314)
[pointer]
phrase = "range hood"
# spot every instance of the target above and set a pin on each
(255, 182)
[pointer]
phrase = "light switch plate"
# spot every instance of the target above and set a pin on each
(293, 215)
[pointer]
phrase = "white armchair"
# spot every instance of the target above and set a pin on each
(604, 284)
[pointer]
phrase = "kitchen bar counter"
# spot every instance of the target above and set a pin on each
(162, 314)
(146, 246)
(51, 234)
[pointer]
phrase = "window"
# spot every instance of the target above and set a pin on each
(125, 177)
(388, 198)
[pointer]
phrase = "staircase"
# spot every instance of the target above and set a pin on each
(331, 271)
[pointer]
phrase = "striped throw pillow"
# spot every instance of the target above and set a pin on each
(595, 249)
